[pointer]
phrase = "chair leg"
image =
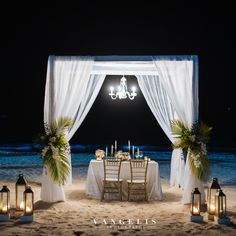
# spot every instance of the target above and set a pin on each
(146, 197)
(103, 192)
(120, 190)
(128, 192)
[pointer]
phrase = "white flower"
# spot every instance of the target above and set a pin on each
(192, 138)
(177, 142)
(44, 151)
(203, 148)
(197, 163)
(99, 154)
(52, 139)
(196, 157)
(55, 152)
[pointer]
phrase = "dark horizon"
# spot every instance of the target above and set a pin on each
(206, 31)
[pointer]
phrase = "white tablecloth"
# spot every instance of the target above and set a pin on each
(96, 174)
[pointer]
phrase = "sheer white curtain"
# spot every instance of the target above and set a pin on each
(70, 91)
(161, 107)
(177, 77)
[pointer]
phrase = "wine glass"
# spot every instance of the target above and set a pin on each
(137, 155)
(141, 154)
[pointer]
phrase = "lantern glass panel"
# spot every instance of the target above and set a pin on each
(212, 204)
(28, 203)
(196, 202)
(20, 197)
(20, 188)
(220, 199)
(4, 200)
(212, 191)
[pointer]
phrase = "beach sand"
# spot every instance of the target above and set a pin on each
(80, 215)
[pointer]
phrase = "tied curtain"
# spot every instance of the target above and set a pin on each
(180, 82)
(173, 94)
(70, 91)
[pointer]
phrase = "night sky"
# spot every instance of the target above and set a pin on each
(91, 29)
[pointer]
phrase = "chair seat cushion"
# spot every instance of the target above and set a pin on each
(136, 181)
(113, 179)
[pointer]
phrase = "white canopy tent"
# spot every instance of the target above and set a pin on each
(169, 85)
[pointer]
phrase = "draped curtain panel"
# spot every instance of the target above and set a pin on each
(158, 101)
(70, 91)
(181, 84)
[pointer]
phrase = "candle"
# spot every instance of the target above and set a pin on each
(212, 208)
(28, 210)
(133, 152)
(22, 205)
(129, 145)
(195, 210)
(4, 209)
(111, 150)
(106, 151)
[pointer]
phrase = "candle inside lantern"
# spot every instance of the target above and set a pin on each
(212, 208)
(4, 209)
(22, 205)
(28, 209)
(195, 210)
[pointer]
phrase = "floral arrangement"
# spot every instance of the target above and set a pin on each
(99, 154)
(56, 149)
(194, 140)
(123, 156)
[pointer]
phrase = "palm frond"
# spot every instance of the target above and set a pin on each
(59, 168)
(194, 140)
(202, 172)
(61, 124)
(57, 149)
(204, 132)
(177, 127)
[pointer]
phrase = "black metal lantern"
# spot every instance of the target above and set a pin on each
(4, 200)
(196, 202)
(28, 201)
(21, 184)
(220, 200)
(212, 190)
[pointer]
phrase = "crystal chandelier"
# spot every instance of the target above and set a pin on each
(122, 92)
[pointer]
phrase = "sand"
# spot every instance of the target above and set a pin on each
(80, 215)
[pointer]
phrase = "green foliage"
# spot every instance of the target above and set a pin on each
(56, 149)
(194, 140)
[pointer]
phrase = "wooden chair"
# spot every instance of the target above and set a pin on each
(112, 184)
(137, 185)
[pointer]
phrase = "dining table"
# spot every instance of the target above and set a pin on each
(95, 176)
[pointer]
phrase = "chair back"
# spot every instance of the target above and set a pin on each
(111, 168)
(138, 169)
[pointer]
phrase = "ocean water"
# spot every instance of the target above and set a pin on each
(25, 159)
